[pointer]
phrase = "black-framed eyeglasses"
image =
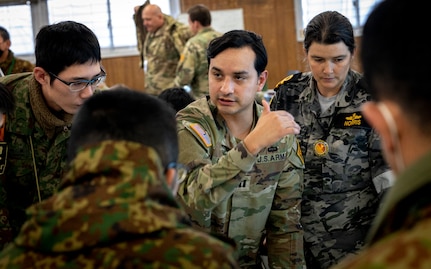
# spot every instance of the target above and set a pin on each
(80, 84)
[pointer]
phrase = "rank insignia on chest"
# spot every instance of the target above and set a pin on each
(321, 148)
(3, 157)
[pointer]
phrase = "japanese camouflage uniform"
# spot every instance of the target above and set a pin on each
(13, 65)
(345, 173)
(401, 234)
(113, 210)
(230, 192)
(36, 153)
(192, 69)
(162, 51)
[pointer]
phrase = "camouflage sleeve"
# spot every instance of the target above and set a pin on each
(180, 36)
(285, 233)
(382, 176)
(186, 66)
(208, 184)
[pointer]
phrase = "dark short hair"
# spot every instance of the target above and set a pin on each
(394, 66)
(177, 97)
(125, 114)
(201, 14)
(240, 39)
(63, 44)
(4, 34)
(329, 27)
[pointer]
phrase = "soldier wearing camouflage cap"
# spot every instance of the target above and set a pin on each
(115, 207)
(345, 174)
(245, 166)
(164, 42)
(68, 69)
(192, 70)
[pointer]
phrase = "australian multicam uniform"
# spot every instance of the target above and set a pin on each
(344, 174)
(230, 192)
(401, 235)
(36, 141)
(162, 51)
(192, 69)
(113, 210)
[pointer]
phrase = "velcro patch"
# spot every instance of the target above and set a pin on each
(350, 120)
(203, 135)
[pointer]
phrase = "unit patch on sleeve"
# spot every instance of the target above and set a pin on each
(203, 135)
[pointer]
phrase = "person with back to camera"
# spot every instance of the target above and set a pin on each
(345, 175)
(68, 70)
(9, 64)
(244, 182)
(400, 237)
(164, 42)
(192, 69)
(177, 97)
(115, 207)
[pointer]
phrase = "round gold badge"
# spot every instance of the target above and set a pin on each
(321, 148)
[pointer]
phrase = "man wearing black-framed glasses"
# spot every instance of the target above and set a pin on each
(68, 69)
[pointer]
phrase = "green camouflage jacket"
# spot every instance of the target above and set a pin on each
(113, 210)
(400, 237)
(162, 51)
(230, 192)
(32, 149)
(14, 65)
(344, 178)
(192, 69)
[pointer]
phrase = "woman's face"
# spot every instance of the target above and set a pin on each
(329, 65)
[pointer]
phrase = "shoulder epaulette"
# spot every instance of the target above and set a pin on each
(202, 134)
(293, 77)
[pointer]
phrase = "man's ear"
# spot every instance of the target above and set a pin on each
(375, 118)
(262, 80)
(41, 75)
(171, 180)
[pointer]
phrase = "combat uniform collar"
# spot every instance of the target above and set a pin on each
(50, 123)
(117, 187)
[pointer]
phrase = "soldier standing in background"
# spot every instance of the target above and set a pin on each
(345, 175)
(192, 70)
(9, 64)
(164, 42)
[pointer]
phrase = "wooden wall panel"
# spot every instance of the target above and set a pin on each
(275, 21)
(124, 70)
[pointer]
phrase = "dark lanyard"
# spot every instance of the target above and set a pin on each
(9, 70)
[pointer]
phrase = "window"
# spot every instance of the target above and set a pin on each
(356, 10)
(111, 21)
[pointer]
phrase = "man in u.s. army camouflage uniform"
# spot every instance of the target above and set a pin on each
(164, 42)
(115, 207)
(245, 167)
(192, 69)
(9, 64)
(345, 173)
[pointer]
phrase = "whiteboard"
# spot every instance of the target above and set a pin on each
(222, 20)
